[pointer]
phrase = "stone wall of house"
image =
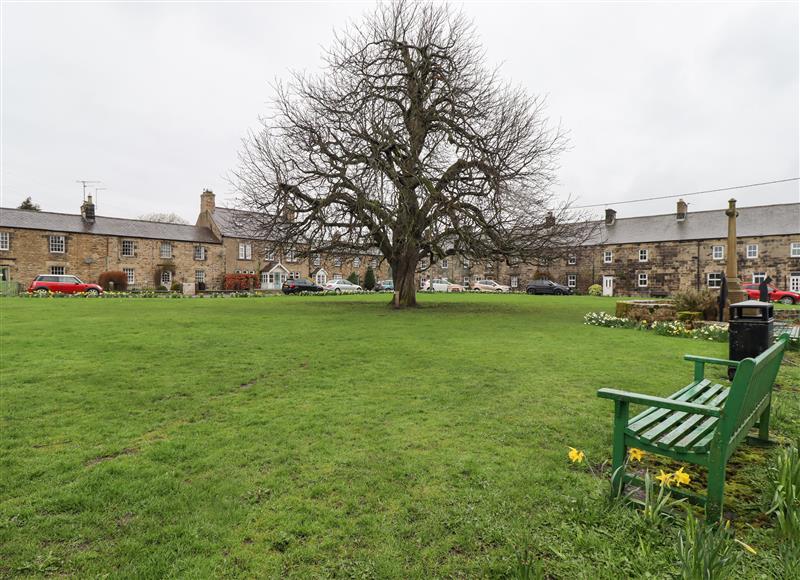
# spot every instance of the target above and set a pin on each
(88, 255)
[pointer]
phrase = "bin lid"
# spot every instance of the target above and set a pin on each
(752, 304)
(751, 310)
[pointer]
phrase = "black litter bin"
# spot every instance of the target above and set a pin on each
(750, 331)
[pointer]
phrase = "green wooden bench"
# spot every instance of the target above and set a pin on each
(703, 423)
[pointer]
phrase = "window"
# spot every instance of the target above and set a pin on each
(373, 263)
(572, 280)
(245, 251)
(759, 277)
(356, 262)
(57, 270)
(752, 251)
(466, 263)
(294, 275)
(5, 274)
(131, 274)
(199, 253)
(199, 276)
(572, 260)
(608, 257)
(270, 255)
(714, 279)
(291, 256)
(166, 278)
(4, 241)
(128, 249)
(444, 264)
(794, 249)
(166, 250)
(514, 281)
(642, 279)
(466, 280)
(317, 259)
(643, 256)
(717, 253)
(57, 244)
(337, 276)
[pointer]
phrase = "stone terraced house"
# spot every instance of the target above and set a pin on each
(647, 255)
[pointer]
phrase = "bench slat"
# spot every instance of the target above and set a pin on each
(670, 421)
(689, 430)
(653, 414)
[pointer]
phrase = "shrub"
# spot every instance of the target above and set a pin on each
(161, 288)
(353, 277)
(369, 279)
(703, 301)
(595, 290)
(688, 316)
(119, 279)
(201, 286)
(239, 281)
(176, 287)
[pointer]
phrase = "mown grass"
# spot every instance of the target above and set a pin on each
(333, 437)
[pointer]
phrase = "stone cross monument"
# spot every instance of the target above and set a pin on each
(735, 292)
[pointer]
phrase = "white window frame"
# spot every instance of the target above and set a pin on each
(444, 264)
(337, 261)
(466, 264)
(57, 245)
(794, 250)
(644, 255)
(168, 275)
(58, 270)
(291, 256)
(717, 252)
(572, 280)
(127, 249)
(200, 253)
(717, 279)
(466, 280)
(356, 262)
(165, 251)
(643, 280)
(337, 276)
(130, 273)
(245, 251)
(608, 256)
(514, 281)
(270, 255)
(572, 260)
(754, 254)
(199, 276)
(759, 277)
(373, 263)
(5, 241)
(317, 259)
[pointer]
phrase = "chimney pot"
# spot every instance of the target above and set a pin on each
(682, 210)
(87, 210)
(611, 216)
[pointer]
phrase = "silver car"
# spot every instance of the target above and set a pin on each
(342, 285)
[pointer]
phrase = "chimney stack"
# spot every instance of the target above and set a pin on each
(87, 210)
(611, 217)
(207, 202)
(683, 208)
(549, 220)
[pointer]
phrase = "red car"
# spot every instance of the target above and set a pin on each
(47, 283)
(775, 295)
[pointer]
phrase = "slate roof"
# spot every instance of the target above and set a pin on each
(236, 223)
(103, 226)
(764, 220)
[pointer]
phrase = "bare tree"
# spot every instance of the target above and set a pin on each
(28, 204)
(406, 144)
(164, 218)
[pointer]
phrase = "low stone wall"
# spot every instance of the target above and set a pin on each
(650, 310)
(788, 315)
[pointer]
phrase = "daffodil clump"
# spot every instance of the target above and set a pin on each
(676, 478)
(576, 456)
(665, 328)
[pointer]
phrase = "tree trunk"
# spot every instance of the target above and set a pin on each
(405, 283)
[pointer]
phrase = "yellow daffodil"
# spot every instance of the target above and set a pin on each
(747, 547)
(665, 478)
(576, 456)
(635, 454)
(681, 478)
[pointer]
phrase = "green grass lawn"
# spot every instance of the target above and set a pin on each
(318, 437)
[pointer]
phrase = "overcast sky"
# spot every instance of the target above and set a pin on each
(153, 99)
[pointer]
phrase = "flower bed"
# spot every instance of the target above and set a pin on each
(664, 328)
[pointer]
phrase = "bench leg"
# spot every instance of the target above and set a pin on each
(763, 423)
(716, 489)
(621, 409)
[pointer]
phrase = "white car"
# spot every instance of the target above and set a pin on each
(490, 286)
(342, 285)
(442, 285)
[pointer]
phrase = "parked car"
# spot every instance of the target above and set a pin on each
(46, 283)
(489, 286)
(442, 285)
(384, 286)
(300, 285)
(547, 287)
(775, 295)
(342, 285)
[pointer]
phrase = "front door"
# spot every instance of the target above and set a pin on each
(794, 282)
(608, 285)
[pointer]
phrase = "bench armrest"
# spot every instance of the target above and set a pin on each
(711, 361)
(659, 402)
